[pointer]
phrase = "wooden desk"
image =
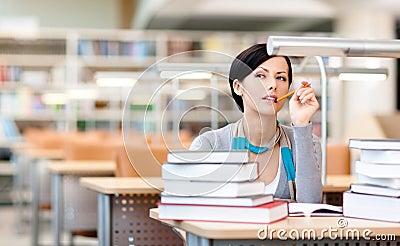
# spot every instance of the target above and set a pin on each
(218, 233)
(53, 154)
(37, 153)
(77, 167)
(58, 170)
(117, 185)
(338, 183)
(123, 205)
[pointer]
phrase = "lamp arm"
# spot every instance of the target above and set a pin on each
(324, 83)
(324, 115)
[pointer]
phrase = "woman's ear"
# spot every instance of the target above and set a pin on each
(237, 87)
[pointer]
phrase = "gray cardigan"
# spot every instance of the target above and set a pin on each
(306, 150)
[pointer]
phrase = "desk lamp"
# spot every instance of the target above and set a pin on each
(323, 46)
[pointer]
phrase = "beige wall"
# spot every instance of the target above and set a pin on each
(66, 13)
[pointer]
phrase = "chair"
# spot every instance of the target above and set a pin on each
(123, 164)
(136, 224)
(337, 163)
(337, 159)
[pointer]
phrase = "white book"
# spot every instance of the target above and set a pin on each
(213, 189)
(211, 172)
(215, 156)
(377, 144)
(314, 209)
(380, 156)
(249, 201)
(375, 190)
(264, 213)
(372, 207)
(375, 170)
(388, 182)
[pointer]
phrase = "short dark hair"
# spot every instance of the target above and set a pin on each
(246, 62)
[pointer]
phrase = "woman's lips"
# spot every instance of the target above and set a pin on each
(271, 98)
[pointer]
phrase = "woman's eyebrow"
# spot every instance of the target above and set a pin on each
(266, 70)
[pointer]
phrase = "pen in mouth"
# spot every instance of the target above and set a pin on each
(275, 99)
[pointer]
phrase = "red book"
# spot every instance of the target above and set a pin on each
(3, 73)
(265, 213)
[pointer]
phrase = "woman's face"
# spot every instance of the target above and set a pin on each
(271, 78)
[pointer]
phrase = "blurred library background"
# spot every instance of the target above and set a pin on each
(67, 69)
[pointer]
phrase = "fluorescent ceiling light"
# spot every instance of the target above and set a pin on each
(115, 82)
(116, 79)
(190, 95)
(362, 76)
(185, 75)
(345, 73)
(54, 98)
(323, 46)
(222, 68)
(81, 94)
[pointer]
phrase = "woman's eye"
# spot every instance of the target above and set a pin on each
(281, 78)
(260, 76)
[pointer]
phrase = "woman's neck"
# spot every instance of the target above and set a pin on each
(259, 129)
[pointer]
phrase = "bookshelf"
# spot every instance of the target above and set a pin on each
(37, 74)
(51, 79)
(29, 68)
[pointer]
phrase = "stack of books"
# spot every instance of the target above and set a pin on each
(376, 195)
(216, 186)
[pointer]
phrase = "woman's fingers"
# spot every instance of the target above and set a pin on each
(305, 94)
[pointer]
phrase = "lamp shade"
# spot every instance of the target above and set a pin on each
(324, 46)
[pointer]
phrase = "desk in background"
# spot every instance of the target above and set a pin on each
(28, 166)
(123, 205)
(338, 183)
(72, 170)
(235, 234)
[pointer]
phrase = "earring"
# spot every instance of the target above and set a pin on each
(239, 93)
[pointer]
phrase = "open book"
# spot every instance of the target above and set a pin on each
(314, 209)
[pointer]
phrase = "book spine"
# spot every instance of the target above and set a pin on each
(208, 157)
(210, 172)
(213, 189)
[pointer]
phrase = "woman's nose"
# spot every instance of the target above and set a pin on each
(271, 86)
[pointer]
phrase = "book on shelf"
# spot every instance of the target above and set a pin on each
(374, 190)
(213, 189)
(372, 207)
(233, 172)
(9, 130)
(388, 182)
(216, 156)
(219, 201)
(85, 48)
(113, 48)
(375, 144)
(380, 156)
(265, 213)
(314, 209)
(377, 170)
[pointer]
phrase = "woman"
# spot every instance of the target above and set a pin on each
(289, 157)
